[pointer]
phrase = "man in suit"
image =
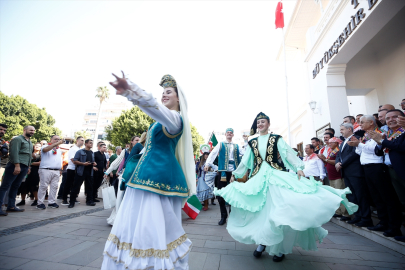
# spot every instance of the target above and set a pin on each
(348, 162)
(392, 147)
(99, 169)
(378, 181)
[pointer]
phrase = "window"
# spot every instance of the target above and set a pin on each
(93, 121)
(91, 113)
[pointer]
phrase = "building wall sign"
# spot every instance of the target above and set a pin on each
(347, 31)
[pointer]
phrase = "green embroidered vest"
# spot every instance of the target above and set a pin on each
(271, 154)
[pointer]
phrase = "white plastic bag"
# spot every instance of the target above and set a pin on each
(108, 197)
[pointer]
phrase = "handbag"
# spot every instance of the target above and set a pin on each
(104, 184)
(109, 199)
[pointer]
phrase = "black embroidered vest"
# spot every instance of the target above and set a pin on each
(271, 154)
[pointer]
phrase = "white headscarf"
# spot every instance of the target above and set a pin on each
(184, 149)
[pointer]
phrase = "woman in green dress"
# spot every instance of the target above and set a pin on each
(276, 209)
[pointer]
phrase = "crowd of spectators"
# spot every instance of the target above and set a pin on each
(368, 157)
(35, 171)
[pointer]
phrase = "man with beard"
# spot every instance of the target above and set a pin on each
(228, 160)
(17, 168)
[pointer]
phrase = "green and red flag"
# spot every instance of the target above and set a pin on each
(213, 140)
(192, 207)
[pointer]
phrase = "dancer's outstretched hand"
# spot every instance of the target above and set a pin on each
(120, 84)
(300, 173)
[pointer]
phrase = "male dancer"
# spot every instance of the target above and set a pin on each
(228, 160)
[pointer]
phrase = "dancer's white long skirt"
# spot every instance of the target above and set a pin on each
(147, 234)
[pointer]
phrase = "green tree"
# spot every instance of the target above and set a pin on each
(130, 123)
(16, 112)
(102, 94)
(85, 134)
(197, 139)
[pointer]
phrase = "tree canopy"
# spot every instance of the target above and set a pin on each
(16, 112)
(85, 134)
(134, 122)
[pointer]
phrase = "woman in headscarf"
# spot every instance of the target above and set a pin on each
(275, 209)
(147, 233)
(204, 191)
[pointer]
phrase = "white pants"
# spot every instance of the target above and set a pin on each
(48, 178)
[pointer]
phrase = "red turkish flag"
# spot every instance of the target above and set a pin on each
(279, 16)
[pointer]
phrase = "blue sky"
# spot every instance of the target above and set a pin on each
(222, 53)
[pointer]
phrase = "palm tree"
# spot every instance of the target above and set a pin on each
(102, 94)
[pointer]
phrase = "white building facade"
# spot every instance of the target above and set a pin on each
(352, 55)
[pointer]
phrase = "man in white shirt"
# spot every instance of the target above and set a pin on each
(49, 172)
(70, 177)
(245, 145)
(228, 160)
(378, 181)
(313, 164)
(324, 153)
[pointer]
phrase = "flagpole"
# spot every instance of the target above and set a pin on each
(286, 90)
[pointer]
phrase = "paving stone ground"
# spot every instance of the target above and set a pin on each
(77, 243)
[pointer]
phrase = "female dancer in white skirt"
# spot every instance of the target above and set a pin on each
(147, 232)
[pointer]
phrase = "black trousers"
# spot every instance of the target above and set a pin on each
(383, 195)
(359, 196)
(62, 185)
(70, 178)
(98, 179)
(221, 201)
(88, 180)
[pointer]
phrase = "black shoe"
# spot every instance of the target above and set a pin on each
(355, 220)
(258, 254)
(35, 203)
(400, 238)
(2, 213)
(392, 233)
(53, 205)
(212, 202)
(336, 215)
(378, 228)
(21, 203)
(41, 206)
(65, 203)
(277, 258)
(77, 201)
(222, 221)
(90, 203)
(59, 198)
(364, 224)
(71, 205)
(95, 200)
(15, 209)
(345, 218)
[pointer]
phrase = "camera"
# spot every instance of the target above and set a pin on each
(4, 150)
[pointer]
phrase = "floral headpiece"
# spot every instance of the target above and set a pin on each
(335, 139)
(168, 81)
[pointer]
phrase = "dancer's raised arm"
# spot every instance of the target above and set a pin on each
(168, 116)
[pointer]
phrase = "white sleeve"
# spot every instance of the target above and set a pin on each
(71, 154)
(320, 165)
(116, 163)
(147, 103)
(213, 155)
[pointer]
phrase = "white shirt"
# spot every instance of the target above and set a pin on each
(243, 148)
(71, 155)
(214, 153)
(346, 140)
(367, 154)
(314, 167)
(49, 160)
(325, 151)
